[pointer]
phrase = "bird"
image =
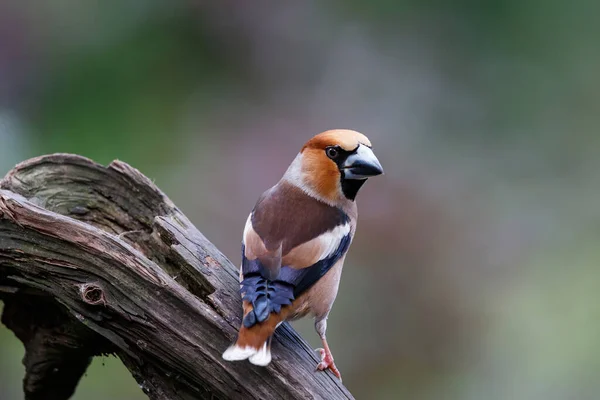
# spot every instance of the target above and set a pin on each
(295, 242)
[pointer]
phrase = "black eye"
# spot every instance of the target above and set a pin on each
(332, 152)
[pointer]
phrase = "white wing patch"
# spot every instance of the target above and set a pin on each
(331, 240)
(316, 249)
(247, 228)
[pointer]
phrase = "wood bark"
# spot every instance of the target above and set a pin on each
(97, 260)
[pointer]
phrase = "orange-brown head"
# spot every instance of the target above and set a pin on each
(333, 165)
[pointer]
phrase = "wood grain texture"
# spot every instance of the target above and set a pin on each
(97, 260)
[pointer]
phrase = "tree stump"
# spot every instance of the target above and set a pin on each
(97, 260)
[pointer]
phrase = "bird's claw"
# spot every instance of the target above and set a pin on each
(327, 363)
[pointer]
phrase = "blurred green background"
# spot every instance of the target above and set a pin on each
(474, 273)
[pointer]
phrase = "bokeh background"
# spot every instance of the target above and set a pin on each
(474, 272)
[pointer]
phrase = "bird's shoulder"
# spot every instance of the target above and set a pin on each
(286, 216)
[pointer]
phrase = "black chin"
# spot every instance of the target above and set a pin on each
(350, 187)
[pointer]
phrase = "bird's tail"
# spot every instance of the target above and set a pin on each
(254, 343)
(260, 355)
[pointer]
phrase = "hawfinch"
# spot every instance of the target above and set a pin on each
(296, 239)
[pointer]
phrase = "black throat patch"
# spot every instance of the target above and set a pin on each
(350, 187)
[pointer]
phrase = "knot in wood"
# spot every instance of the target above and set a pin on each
(92, 294)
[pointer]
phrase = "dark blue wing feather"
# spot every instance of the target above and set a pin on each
(304, 278)
(268, 296)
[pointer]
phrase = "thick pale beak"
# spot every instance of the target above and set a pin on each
(362, 164)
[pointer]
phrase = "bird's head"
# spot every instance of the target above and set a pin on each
(334, 165)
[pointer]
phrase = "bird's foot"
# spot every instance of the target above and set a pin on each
(327, 363)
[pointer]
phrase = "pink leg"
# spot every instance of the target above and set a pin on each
(327, 360)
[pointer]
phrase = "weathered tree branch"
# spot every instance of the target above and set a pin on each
(97, 260)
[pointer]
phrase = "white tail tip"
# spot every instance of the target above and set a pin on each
(237, 353)
(261, 357)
